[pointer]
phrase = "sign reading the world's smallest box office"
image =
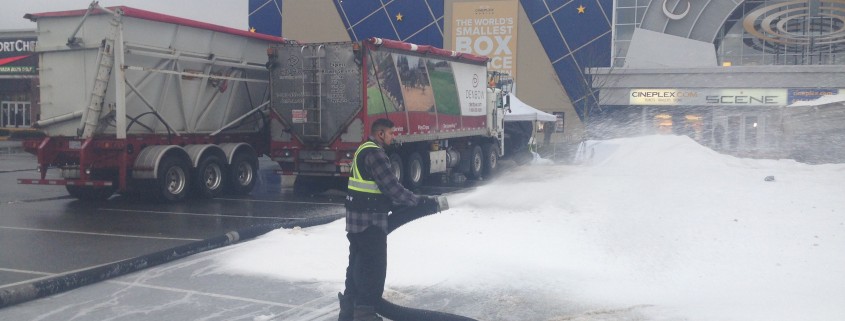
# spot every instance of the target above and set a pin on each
(487, 29)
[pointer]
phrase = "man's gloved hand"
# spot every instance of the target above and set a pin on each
(434, 203)
(442, 203)
(428, 203)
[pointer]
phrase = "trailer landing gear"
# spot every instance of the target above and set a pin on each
(90, 193)
(94, 193)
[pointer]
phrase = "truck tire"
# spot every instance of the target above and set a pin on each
(397, 166)
(491, 158)
(242, 173)
(173, 178)
(414, 170)
(476, 162)
(209, 177)
(90, 193)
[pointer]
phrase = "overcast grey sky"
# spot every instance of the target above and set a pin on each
(229, 13)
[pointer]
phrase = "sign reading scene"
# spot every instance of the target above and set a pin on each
(488, 29)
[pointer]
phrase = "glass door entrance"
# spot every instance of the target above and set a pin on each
(754, 132)
(15, 114)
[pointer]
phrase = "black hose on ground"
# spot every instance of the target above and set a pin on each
(400, 313)
(19, 293)
(407, 214)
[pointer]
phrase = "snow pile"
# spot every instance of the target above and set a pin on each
(658, 221)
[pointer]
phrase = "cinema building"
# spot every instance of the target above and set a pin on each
(728, 73)
(734, 75)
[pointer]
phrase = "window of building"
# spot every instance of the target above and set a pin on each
(628, 16)
(15, 114)
(779, 32)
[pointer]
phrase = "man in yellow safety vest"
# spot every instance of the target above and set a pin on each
(373, 192)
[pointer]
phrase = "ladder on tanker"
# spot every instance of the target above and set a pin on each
(312, 89)
(105, 64)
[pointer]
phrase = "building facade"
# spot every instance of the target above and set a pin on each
(18, 79)
(722, 72)
(731, 74)
(547, 45)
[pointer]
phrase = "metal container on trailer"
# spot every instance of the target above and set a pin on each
(429, 93)
(140, 101)
(196, 76)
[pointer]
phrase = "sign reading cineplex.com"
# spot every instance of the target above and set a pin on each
(703, 97)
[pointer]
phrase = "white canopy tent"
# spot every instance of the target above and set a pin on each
(519, 111)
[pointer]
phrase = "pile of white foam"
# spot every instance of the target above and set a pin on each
(656, 220)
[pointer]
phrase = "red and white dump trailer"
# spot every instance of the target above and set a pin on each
(135, 100)
(325, 96)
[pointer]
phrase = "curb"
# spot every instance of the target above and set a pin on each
(39, 288)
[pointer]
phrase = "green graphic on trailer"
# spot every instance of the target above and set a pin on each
(416, 88)
(384, 94)
(444, 87)
(399, 83)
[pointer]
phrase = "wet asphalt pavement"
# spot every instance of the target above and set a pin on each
(44, 232)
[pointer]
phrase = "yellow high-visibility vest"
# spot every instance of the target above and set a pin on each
(356, 182)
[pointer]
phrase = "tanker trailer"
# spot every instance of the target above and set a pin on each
(133, 100)
(325, 96)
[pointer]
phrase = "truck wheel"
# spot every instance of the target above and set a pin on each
(396, 165)
(209, 177)
(90, 193)
(173, 178)
(476, 162)
(491, 158)
(242, 173)
(414, 171)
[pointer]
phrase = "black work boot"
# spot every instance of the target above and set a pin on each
(365, 313)
(346, 308)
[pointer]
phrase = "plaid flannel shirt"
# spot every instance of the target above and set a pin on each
(379, 167)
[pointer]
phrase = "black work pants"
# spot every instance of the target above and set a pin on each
(367, 266)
